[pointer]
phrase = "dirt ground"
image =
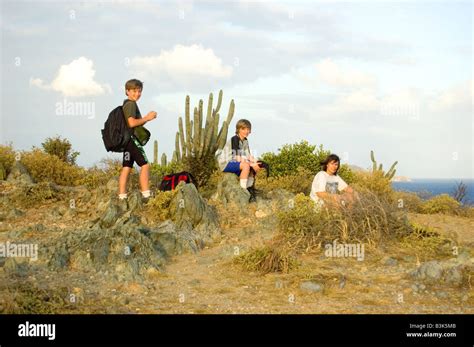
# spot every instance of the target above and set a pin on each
(211, 282)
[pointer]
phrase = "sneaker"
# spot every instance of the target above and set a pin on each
(145, 200)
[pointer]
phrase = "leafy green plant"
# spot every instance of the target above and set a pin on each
(7, 158)
(442, 203)
(61, 148)
(290, 157)
(44, 167)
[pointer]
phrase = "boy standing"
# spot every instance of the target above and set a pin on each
(237, 158)
(134, 152)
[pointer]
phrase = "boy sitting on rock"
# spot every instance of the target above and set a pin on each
(236, 158)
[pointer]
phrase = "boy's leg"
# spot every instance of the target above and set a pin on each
(244, 174)
(138, 154)
(123, 182)
(127, 164)
(144, 180)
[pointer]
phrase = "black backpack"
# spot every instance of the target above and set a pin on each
(170, 182)
(116, 133)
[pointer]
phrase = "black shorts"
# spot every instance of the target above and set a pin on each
(134, 153)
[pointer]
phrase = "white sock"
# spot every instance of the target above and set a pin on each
(250, 182)
(243, 183)
(122, 196)
(146, 193)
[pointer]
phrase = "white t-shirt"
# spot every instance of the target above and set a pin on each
(324, 182)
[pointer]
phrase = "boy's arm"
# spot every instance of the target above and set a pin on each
(130, 110)
(133, 122)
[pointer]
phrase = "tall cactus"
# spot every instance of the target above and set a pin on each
(197, 143)
(164, 160)
(155, 152)
(389, 174)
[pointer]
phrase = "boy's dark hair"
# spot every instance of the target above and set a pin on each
(133, 84)
(242, 123)
(330, 158)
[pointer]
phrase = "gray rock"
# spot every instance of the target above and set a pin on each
(14, 212)
(464, 256)
(19, 173)
(39, 227)
(110, 216)
(60, 257)
(409, 258)
(17, 266)
(135, 201)
(281, 199)
(389, 261)
(125, 253)
(342, 282)
(454, 275)
(442, 295)
(430, 271)
(189, 211)
(229, 191)
(311, 286)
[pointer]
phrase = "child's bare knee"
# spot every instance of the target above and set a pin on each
(245, 166)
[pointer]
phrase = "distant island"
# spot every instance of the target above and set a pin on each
(401, 179)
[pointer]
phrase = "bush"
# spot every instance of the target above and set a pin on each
(61, 148)
(299, 182)
(162, 170)
(7, 158)
(374, 182)
(44, 167)
(267, 259)
(100, 174)
(441, 204)
(158, 207)
(408, 201)
(292, 156)
(368, 220)
(426, 242)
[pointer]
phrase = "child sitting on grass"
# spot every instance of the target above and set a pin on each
(327, 183)
(236, 158)
(134, 151)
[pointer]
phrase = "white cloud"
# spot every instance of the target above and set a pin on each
(336, 76)
(359, 101)
(74, 79)
(458, 98)
(186, 66)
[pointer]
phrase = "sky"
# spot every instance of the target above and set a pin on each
(390, 76)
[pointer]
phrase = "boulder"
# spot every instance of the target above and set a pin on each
(189, 211)
(451, 271)
(124, 252)
(19, 173)
(229, 191)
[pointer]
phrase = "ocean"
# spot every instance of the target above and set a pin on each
(434, 186)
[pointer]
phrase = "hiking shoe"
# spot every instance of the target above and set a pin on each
(253, 197)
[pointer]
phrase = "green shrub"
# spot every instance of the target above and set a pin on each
(408, 201)
(158, 207)
(44, 167)
(292, 156)
(99, 175)
(299, 182)
(368, 220)
(61, 148)
(441, 204)
(374, 182)
(7, 158)
(162, 170)
(267, 259)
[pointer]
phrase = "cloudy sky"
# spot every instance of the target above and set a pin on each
(395, 77)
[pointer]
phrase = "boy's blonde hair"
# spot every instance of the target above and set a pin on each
(133, 84)
(242, 124)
